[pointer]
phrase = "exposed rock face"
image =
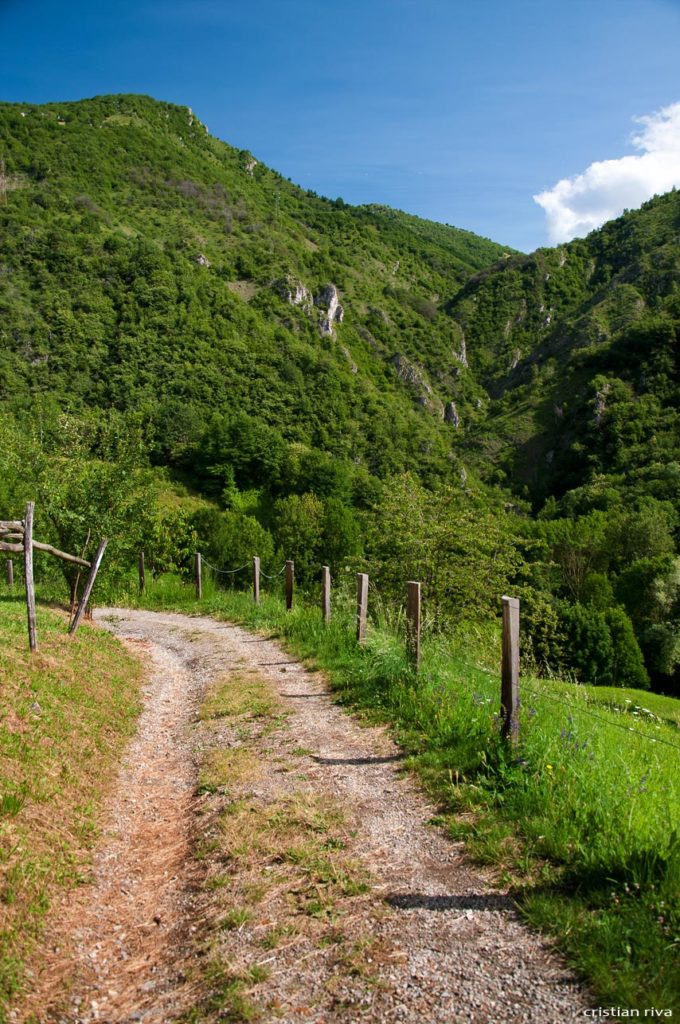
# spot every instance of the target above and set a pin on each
(297, 294)
(414, 378)
(601, 402)
(334, 311)
(202, 260)
(294, 292)
(451, 414)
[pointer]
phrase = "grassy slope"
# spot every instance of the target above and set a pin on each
(581, 820)
(66, 712)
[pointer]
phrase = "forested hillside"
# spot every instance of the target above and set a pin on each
(195, 350)
(149, 267)
(577, 347)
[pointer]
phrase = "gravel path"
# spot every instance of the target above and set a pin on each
(459, 952)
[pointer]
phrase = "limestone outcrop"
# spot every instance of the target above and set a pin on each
(451, 414)
(334, 312)
(414, 378)
(294, 292)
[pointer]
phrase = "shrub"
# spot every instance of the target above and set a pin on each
(628, 667)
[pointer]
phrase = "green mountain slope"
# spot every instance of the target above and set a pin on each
(147, 266)
(577, 348)
(284, 354)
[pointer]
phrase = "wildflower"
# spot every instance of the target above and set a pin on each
(549, 767)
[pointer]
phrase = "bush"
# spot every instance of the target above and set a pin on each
(628, 667)
(542, 638)
(588, 650)
(230, 539)
(600, 647)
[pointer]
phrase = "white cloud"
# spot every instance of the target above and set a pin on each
(575, 206)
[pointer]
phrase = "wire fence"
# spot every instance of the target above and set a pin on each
(247, 565)
(510, 699)
(224, 572)
(276, 574)
(591, 714)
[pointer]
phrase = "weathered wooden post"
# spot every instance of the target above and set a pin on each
(197, 575)
(256, 579)
(89, 584)
(413, 623)
(290, 577)
(326, 594)
(510, 670)
(362, 605)
(28, 577)
(142, 574)
(10, 572)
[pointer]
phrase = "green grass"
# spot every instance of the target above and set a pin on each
(581, 818)
(65, 714)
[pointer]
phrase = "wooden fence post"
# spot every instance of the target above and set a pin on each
(256, 579)
(10, 572)
(362, 605)
(326, 594)
(510, 670)
(142, 574)
(197, 575)
(89, 584)
(413, 622)
(290, 577)
(28, 577)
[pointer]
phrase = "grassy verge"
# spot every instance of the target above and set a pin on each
(582, 819)
(64, 716)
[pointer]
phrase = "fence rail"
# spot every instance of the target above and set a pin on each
(19, 539)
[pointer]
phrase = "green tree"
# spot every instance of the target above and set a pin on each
(298, 527)
(230, 539)
(462, 552)
(628, 667)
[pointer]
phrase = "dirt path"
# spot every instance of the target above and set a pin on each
(442, 945)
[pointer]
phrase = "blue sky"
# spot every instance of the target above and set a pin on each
(457, 111)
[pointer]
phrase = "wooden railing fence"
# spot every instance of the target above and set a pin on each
(16, 536)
